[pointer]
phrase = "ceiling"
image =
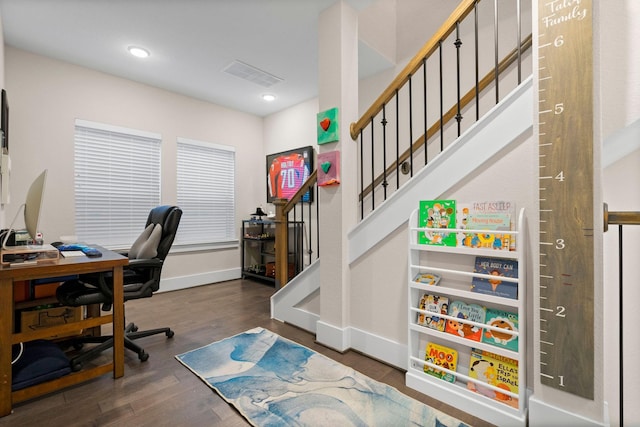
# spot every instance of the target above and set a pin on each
(191, 42)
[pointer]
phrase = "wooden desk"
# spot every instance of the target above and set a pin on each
(110, 261)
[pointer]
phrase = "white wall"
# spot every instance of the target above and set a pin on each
(2, 84)
(620, 185)
(291, 128)
(618, 34)
(620, 108)
(1, 53)
(46, 96)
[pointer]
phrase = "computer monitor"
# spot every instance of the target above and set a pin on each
(31, 208)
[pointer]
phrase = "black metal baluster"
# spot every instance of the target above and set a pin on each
(457, 44)
(361, 176)
(519, 18)
(495, 40)
(397, 140)
(318, 221)
(373, 197)
(299, 245)
(410, 127)
(295, 249)
(621, 323)
(300, 236)
(475, 10)
(424, 106)
(441, 100)
(310, 242)
(384, 151)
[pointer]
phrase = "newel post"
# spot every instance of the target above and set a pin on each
(281, 246)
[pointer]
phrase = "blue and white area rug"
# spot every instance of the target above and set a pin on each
(273, 381)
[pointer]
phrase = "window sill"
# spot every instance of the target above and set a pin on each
(200, 247)
(196, 247)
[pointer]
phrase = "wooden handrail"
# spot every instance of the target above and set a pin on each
(620, 218)
(449, 115)
(283, 207)
(464, 8)
(306, 186)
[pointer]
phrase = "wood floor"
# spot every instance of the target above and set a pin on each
(161, 391)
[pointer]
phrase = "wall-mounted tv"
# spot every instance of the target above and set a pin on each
(4, 122)
(287, 171)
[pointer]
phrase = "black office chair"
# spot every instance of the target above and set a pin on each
(141, 280)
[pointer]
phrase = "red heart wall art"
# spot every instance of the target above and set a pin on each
(324, 124)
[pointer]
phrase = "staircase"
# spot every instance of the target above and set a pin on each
(396, 171)
(506, 126)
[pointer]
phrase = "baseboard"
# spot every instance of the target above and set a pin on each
(185, 282)
(374, 346)
(332, 336)
(380, 348)
(544, 414)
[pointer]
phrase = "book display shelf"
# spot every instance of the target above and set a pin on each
(466, 343)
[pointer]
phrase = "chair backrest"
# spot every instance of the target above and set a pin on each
(169, 218)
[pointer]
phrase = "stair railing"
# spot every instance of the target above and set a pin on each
(297, 232)
(620, 219)
(387, 119)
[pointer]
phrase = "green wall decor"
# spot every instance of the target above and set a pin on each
(329, 172)
(328, 126)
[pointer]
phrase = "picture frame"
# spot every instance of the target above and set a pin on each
(287, 171)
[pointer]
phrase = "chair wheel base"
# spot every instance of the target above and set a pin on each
(170, 333)
(143, 356)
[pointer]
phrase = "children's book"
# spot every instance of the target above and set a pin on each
(444, 356)
(496, 370)
(434, 304)
(463, 311)
(437, 214)
(506, 321)
(490, 216)
(427, 278)
(498, 268)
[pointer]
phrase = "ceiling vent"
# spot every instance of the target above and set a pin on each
(252, 74)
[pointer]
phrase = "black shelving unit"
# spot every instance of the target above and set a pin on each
(258, 249)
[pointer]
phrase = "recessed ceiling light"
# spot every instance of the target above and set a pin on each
(268, 97)
(138, 52)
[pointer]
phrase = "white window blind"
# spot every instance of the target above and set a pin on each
(206, 192)
(117, 182)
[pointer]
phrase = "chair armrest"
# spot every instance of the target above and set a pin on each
(144, 263)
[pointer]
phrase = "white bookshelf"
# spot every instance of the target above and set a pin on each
(455, 265)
